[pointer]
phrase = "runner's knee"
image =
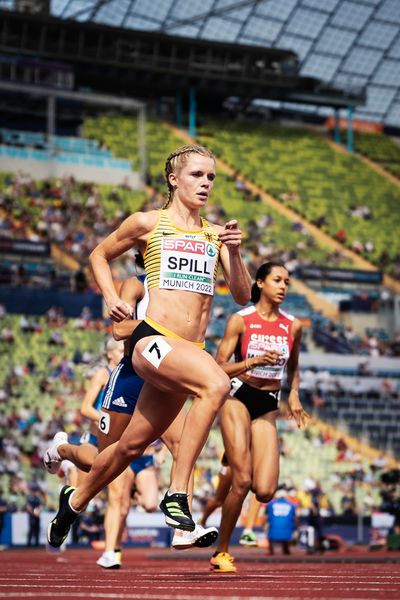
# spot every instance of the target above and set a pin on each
(241, 485)
(125, 507)
(149, 505)
(114, 496)
(265, 493)
(127, 451)
(173, 447)
(217, 389)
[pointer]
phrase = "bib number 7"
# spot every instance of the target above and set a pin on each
(156, 351)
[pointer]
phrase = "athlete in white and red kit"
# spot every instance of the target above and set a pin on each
(265, 341)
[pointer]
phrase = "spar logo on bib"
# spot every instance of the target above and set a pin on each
(188, 265)
(183, 245)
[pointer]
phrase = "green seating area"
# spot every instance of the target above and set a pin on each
(321, 465)
(278, 234)
(294, 165)
(36, 347)
(30, 202)
(120, 135)
(41, 389)
(379, 148)
(324, 186)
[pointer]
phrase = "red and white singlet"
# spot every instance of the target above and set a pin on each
(261, 335)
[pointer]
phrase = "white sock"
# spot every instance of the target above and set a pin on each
(170, 493)
(247, 531)
(109, 553)
(70, 505)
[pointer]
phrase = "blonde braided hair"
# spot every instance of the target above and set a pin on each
(176, 160)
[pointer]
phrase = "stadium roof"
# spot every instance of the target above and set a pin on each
(348, 43)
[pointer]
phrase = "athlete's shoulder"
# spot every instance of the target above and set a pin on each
(149, 218)
(132, 288)
(287, 315)
(297, 327)
(141, 222)
(235, 325)
(292, 322)
(101, 375)
(213, 226)
(210, 224)
(247, 311)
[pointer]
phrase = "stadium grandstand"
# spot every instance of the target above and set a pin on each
(299, 100)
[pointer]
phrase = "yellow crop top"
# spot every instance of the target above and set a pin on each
(176, 259)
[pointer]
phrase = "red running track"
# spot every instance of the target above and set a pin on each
(167, 575)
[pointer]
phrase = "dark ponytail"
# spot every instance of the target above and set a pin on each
(262, 273)
(255, 293)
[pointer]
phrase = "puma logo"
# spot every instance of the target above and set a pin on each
(285, 328)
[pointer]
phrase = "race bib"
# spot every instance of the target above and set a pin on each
(188, 264)
(104, 422)
(156, 351)
(259, 348)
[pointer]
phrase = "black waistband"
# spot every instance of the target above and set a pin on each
(142, 330)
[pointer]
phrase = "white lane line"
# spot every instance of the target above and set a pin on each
(227, 580)
(248, 578)
(228, 577)
(353, 588)
(158, 597)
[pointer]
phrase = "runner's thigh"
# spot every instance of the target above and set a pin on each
(116, 424)
(154, 412)
(177, 365)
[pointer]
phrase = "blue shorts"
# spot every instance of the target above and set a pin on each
(123, 388)
(142, 463)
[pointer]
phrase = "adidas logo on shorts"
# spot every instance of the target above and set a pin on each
(120, 402)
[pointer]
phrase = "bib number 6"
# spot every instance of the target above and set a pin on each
(104, 422)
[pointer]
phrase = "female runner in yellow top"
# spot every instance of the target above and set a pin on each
(181, 252)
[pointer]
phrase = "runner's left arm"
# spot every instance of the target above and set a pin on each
(236, 274)
(296, 410)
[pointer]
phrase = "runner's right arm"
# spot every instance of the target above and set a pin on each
(132, 232)
(132, 290)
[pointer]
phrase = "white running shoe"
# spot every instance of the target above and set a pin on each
(51, 459)
(201, 537)
(109, 560)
